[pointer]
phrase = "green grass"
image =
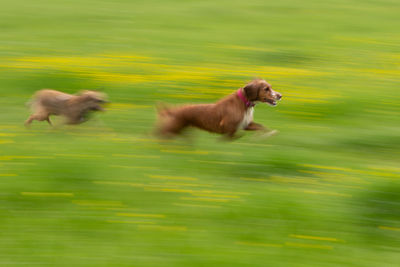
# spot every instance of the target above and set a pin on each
(324, 192)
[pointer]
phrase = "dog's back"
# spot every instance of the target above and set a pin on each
(209, 117)
(50, 101)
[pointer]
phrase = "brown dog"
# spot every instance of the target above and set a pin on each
(74, 108)
(227, 116)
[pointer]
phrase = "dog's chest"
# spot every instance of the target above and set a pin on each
(247, 118)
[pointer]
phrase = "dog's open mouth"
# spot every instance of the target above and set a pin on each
(270, 101)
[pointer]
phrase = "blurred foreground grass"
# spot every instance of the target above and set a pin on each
(324, 192)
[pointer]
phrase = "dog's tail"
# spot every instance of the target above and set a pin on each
(165, 116)
(31, 104)
(163, 109)
(34, 101)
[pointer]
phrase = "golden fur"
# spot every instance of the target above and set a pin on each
(74, 108)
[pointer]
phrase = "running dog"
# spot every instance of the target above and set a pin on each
(230, 114)
(74, 108)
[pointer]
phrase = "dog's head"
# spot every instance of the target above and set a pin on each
(260, 90)
(94, 100)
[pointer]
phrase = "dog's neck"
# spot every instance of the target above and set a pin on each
(241, 95)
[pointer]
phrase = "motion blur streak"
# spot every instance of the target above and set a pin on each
(322, 192)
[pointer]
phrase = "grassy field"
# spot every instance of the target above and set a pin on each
(324, 192)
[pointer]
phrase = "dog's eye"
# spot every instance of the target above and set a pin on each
(267, 88)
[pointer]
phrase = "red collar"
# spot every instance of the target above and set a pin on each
(247, 102)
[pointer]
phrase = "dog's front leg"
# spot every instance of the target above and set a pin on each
(229, 129)
(255, 127)
(232, 136)
(265, 132)
(49, 121)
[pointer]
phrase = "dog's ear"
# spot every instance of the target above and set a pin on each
(94, 96)
(83, 92)
(251, 90)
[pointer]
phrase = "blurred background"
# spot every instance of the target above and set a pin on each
(324, 192)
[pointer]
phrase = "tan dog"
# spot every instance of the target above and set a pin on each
(227, 116)
(74, 108)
